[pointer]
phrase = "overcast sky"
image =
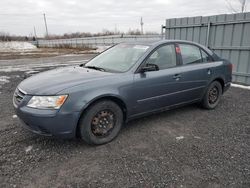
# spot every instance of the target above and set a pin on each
(20, 16)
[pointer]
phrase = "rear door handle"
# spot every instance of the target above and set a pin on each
(177, 76)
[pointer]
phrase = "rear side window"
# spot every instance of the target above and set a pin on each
(190, 54)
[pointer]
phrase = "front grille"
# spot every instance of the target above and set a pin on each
(18, 96)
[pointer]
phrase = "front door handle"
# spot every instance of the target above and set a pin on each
(209, 71)
(177, 76)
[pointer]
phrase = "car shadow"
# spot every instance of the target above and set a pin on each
(160, 115)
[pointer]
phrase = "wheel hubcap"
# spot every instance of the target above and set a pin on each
(213, 95)
(103, 123)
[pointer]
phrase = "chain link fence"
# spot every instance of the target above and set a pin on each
(94, 42)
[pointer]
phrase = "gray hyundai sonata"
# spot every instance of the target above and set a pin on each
(127, 81)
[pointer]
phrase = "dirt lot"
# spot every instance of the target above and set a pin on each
(186, 147)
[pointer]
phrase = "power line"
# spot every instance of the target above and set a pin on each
(15, 14)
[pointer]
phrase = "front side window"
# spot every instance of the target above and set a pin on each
(119, 58)
(164, 57)
(190, 54)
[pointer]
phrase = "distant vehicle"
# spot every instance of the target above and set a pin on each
(127, 81)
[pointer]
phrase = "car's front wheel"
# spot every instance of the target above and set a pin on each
(101, 122)
(212, 96)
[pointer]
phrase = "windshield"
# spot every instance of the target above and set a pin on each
(119, 58)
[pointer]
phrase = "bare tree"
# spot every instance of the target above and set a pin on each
(243, 5)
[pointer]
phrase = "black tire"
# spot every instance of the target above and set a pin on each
(101, 122)
(212, 96)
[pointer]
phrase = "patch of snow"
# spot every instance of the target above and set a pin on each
(32, 72)
(33, 67)
(179, 137)
(240, 86)
(67, 55)
(28, 149)
(16, 46)
(79, 61)
(4, 80)
(14, 116)
(197, 137)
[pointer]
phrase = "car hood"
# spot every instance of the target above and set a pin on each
(53, 81)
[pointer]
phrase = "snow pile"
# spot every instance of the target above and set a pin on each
(240, 86)
(16, 46)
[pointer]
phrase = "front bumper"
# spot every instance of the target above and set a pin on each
(48, 122)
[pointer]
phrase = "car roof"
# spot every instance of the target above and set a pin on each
(163, 41)
(158, 42)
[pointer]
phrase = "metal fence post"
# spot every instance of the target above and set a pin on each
(208, 34)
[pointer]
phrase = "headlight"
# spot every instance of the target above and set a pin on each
(47, 102)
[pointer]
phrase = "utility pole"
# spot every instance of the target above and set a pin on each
(116, 29)
(162, 32)
(46, 27)
(141, 26)
(35, 31)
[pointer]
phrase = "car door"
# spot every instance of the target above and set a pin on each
(156, 89)
(195, 71)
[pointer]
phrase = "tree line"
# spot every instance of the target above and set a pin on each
(8, 37)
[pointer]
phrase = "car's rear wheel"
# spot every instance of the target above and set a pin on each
(101, 122)
(212, 95)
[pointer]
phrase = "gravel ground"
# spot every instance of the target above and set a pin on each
(185, 147)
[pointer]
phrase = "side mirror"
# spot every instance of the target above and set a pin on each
(149, 67)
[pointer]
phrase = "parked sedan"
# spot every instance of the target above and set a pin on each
(127, 81)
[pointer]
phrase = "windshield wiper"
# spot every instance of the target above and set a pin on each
(96, 68)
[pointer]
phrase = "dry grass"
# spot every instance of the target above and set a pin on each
(44, 52)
